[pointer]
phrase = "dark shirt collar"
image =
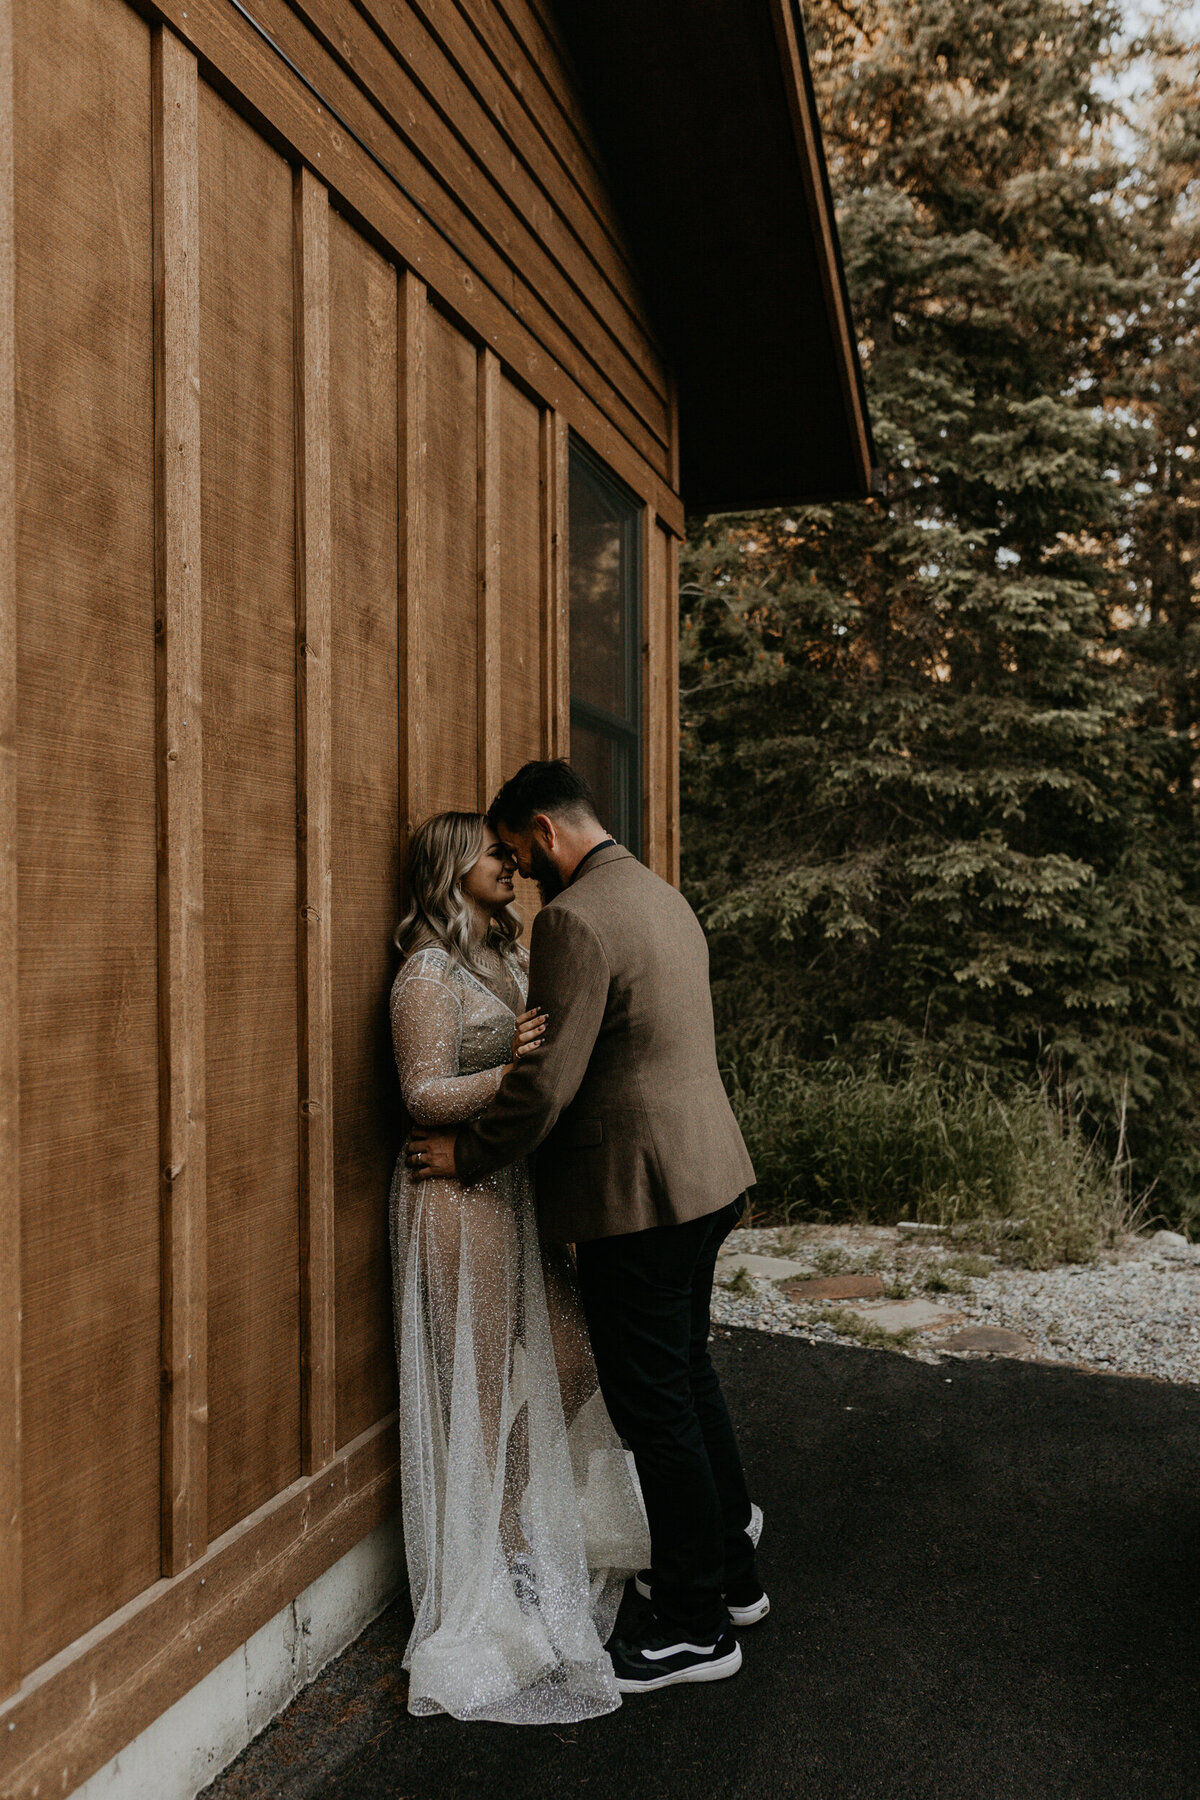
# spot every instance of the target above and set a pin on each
(604, 844)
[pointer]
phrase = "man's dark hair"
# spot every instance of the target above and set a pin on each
(541, 787)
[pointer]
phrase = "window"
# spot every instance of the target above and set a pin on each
(605, 536)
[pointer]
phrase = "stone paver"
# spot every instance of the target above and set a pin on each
(775, 1268)
(907, 1315)
(836, 1287)
(992, 1338)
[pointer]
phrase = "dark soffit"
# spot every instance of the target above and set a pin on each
(704, 114)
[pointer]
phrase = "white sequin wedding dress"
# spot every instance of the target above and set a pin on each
(521, 1518)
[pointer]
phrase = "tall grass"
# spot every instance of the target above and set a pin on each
(1019, 1170)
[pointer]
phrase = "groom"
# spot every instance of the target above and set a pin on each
(641, 1165)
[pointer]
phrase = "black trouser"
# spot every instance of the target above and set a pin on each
(647, 1296)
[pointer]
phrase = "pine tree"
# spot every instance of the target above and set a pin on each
(934, 802)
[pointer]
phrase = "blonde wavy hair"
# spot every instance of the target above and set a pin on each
(436, 913)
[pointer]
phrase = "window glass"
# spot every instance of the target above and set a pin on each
(604, 564)
(597, 595)
(592, 755)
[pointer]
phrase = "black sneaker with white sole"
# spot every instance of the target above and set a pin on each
(745, 1605)
(661, 1659)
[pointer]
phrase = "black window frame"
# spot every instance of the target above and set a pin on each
(626, 738)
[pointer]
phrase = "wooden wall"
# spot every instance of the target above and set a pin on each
(285, 404)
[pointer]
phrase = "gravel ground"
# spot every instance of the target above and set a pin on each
(1136, 1312)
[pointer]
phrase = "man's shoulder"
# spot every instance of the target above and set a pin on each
(561, 917)
(619, 890)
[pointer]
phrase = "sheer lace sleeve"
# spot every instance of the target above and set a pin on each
(426, 1033)
(518, 962)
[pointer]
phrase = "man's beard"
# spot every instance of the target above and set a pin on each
(549, 881)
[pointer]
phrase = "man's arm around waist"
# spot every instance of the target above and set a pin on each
(569, 979)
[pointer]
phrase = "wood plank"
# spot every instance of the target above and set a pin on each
(554, 583)
(437, 175)
(254, 78)
(430, 103)
(366, 826)
(178, 600)
(534, 57)
(655, 747)
(250, 855)
(519, 678)
(10, 1189)
(561, 168)
(521, 524)
(318, 1376)
(412, 474)
(78, 1711)
(87, 866)
(530, 60)
(448, 681)
(671, 707)
(807, 131)
(513, 87)
(488, 551)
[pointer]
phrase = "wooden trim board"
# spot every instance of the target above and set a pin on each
(487, 566)
(654, 735)
(178, 601)
(314, 752)
(671, 709)
(10, 1191)
(553, 452)
(412, 457)
(808, 143)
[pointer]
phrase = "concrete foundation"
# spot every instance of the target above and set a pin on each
(189, 1744)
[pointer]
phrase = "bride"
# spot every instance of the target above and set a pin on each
(521, 1518)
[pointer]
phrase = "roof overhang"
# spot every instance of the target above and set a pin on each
(705, 115)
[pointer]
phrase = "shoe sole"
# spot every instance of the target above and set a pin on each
(713, 1671)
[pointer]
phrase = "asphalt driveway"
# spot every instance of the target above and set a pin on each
(985, 1585)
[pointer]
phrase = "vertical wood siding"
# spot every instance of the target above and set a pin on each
(489, 452)
(518, 677)
(310, 299)
(177, 636)
(412, 526)
(554, 480)
(87, 871)
(444, 684)
(10, 1188)
(366, 785)
(283, 557)
(250, 801)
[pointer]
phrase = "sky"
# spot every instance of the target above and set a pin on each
(1140, 14)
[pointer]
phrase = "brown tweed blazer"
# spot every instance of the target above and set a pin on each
(623, 1101)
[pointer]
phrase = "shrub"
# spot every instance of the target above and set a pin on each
(1018, 1173)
